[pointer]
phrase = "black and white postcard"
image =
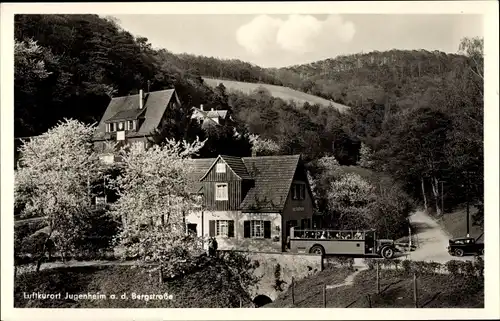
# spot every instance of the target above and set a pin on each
(162, 158)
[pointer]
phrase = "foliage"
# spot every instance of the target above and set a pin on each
(420, 112)
(263, 147)
(53, 179)
(152, 181)
(278, 286)
(349, 199)
(365, 156)
(208, 285)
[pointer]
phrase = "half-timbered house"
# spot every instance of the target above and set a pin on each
(250, 203)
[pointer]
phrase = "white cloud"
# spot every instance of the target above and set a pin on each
(297, 33)
(259, 34)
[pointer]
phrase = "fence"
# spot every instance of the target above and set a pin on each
(401, 284)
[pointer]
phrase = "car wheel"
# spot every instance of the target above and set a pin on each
(317, 249)
(388, 253)
(459, 252)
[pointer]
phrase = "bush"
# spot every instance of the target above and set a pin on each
(453, 267)
(407, 267)
(277, 278)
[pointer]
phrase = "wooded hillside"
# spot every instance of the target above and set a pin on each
(417, 114)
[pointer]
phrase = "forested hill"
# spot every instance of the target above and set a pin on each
(419, 114)
(399, 77)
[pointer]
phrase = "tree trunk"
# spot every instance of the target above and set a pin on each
(42, 255)
(423, 193)
(160, 273)
(435, 192)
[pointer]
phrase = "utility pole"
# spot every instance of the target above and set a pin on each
(467, 173)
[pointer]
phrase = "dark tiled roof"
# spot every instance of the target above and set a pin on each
(130, 114)
(155, 105)
(273, 176)
(237, 165)
(198, 168)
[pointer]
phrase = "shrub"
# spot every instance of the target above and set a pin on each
(407, 266)
(479, 266)
(277, 277)
(370, 263)
(453, 267)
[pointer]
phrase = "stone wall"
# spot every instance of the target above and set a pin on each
(298, 266)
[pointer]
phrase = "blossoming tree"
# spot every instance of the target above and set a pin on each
(53, 179)
(153, 199)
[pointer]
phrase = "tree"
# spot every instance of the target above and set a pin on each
(154, 197)
(263, 147)
(349, 199)
(474, 49)
(365, 157)
(53, 180)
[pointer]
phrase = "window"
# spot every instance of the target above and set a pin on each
(130, 125)
(100, 201)
(257, 229)
(220, 168)
(120, 126)
(298, 191)
(305, 223)
(221, 228)
(112, 127)
(192, 228)
(221, 192)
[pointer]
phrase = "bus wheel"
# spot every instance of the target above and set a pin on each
(388, 253)
(317, 249)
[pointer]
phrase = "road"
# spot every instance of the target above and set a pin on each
(432, 240)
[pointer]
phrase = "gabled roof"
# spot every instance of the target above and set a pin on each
(273, 176)
(198, 168)
(217, 113)
(130, 114)
(235, 163)
(155, 104)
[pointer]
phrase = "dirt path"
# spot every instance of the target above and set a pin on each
(349, 280)
(432, 240)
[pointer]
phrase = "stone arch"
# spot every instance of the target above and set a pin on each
(261, 300)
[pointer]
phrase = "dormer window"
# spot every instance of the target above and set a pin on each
(220, 168)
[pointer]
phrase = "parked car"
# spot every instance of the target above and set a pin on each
(465, 245)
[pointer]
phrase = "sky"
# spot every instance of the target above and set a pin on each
(283, 40)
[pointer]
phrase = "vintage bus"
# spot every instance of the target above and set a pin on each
(360, 243)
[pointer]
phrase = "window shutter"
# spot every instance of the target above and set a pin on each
(267, 229)
(211, 228)
(230, 228)
(246, 229)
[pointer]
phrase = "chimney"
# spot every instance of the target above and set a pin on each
(201, 107)
(212, 109)
(141, 99)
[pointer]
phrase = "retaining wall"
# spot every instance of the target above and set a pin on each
(293, 265)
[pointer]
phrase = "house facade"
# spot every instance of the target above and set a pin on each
(133, 119)
(250, 203)
(210, 118)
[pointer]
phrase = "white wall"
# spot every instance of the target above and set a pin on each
(239, 242)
